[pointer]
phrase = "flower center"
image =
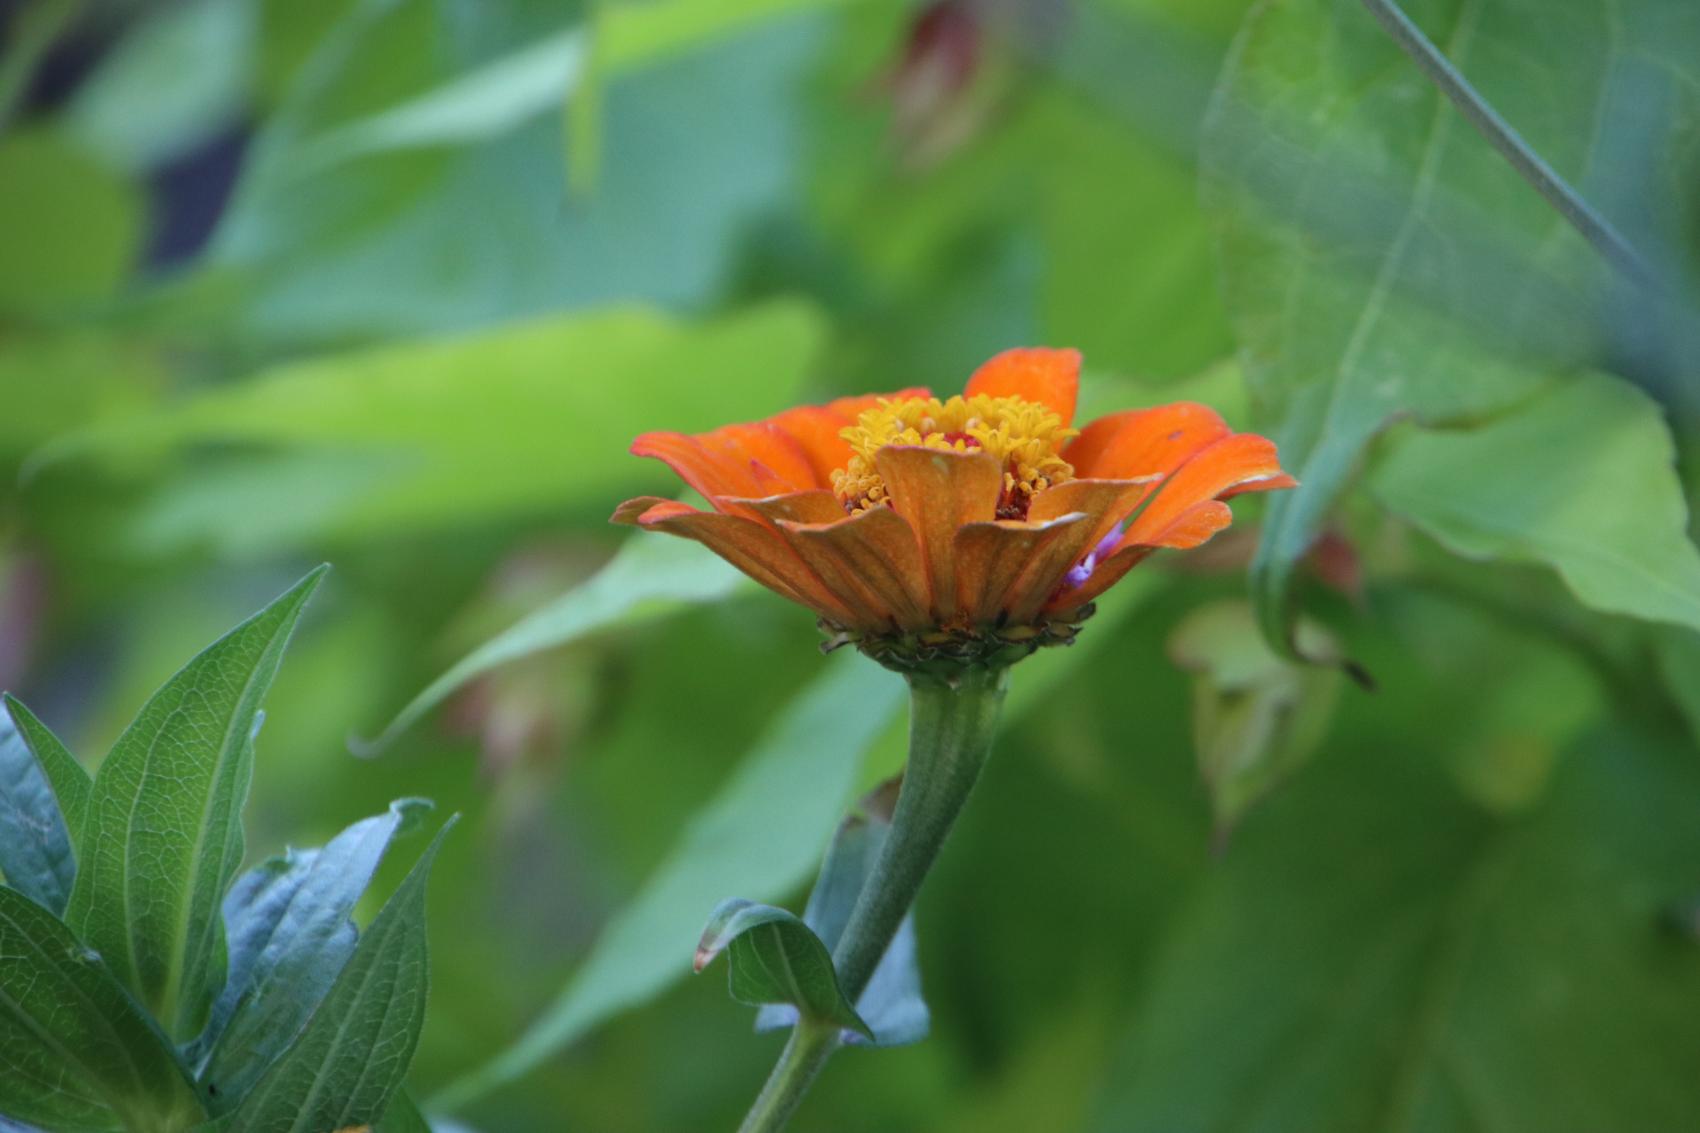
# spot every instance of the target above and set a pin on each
(1023, 435)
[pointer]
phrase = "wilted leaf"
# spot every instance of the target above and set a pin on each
(1581, 479)
(76, 1054)
(163, 834)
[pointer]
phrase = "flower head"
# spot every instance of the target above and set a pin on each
(970, 529)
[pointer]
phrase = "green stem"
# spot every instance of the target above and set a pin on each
(951, 725)
(810, 1045)
(1596, 229)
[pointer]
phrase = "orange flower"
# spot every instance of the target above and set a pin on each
(922, 529)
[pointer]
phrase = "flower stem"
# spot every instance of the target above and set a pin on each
(951, 724)
(807, 1050)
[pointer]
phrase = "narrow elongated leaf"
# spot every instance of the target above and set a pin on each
(760, 834)
(70, 782)
(647, 578)
(289, 933)
(891, 1004)
(1381, 260)
(351, 1058)
(76, 1054)
(163, 836)
(776, 958)
(36, 854)
(1582, 479)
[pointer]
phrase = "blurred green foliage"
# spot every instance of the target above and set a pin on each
(394, 282)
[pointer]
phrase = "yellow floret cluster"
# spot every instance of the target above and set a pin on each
(1025, 436)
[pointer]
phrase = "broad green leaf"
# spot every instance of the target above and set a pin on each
(350, 1060)
(174, 79)
(70, 782)
(383, 246)
(71, 228)
(776, 958)
(890, 1006)
(76, 1054)
(163, 833)
(761, 834)
(37, 857)
(1376, 954)
(1581, 479)
(370, 442)
(649, 577)
(1380, 260)
(289, 928)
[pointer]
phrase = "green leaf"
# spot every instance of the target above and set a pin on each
(647, 578)
(776, 958)
(37, 857)
(76, 1054)
(163, 835)
(289, 932)
(173, 80)
(1581, 479)
(355, 1051)
(364, 444)
(70, 227)
(1380, 260)
(1377, 954)
(760, 834)
(891, 1005)
(70, 782)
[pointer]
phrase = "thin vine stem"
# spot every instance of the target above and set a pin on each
(1533, 168)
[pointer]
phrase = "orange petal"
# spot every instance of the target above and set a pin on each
(992, 558)
(735, 460)
(872, 561)
(937, 491)
(851, 408)
(1103, 504)
(632, 511)
(815, 506)
(1233, 463)
(757, 550)
(1035, 373)
(1143, 442)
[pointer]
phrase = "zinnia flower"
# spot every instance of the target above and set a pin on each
(970, 529)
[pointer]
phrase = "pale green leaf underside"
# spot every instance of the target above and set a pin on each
(1582, 480)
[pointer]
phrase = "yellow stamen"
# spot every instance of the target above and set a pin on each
(1024, 435)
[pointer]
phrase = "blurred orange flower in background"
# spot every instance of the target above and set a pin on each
(984, 519)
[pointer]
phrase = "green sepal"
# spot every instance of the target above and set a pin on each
(775, 958)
